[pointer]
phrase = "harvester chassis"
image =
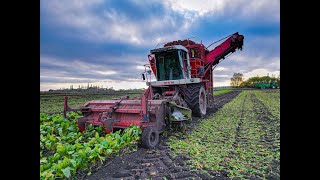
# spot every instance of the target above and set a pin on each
(183, 87)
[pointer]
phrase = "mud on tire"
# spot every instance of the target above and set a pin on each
(192, 96)
(150, 137)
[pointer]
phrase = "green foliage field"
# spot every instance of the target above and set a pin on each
(242, 138)
(222, 91)
(64, 150)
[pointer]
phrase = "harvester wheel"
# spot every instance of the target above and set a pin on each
(150, 137)
(196, 98)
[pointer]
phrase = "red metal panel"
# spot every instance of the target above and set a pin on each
(233, 42)
(128, 112)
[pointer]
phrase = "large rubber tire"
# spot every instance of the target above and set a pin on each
(196, 98)
(150, 137)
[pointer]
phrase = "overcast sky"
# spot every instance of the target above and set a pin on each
(106, 42)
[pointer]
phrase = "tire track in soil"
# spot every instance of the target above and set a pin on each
(266, 117)
(158, 163)
(237, 139)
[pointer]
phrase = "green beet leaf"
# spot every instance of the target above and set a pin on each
(66, 172)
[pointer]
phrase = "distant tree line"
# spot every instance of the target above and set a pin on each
(96, 89)
(237, 81)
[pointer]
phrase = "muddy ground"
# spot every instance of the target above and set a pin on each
(159, 163)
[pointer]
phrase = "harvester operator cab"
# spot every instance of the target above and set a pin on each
(172, 63)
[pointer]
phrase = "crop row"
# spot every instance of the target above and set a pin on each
(239, 138)
(271, 99)
(64, 150)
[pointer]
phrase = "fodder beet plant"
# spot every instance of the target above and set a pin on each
(64, 150)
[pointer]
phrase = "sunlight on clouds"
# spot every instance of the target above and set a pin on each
(220, 68)
(244, 8)
(106, 72)
(260, 72)
(222, 75)
(201, 7)
(140, 67)
(222, 83)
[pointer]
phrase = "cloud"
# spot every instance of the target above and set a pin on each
(224, 80)
(248, 64)
(108, 41)
(222, 75)
(260, 72)
(221, 83)
(199, 8)
(59, 70)
(241, 8)
(89, 22)
(220, 68)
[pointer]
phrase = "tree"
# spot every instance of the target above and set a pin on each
(253, 81)
(236, 80)
(278, 80)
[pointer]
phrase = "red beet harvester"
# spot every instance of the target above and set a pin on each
(183, 88)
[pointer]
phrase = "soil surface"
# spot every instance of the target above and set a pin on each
(269, 137)
(158, 162)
